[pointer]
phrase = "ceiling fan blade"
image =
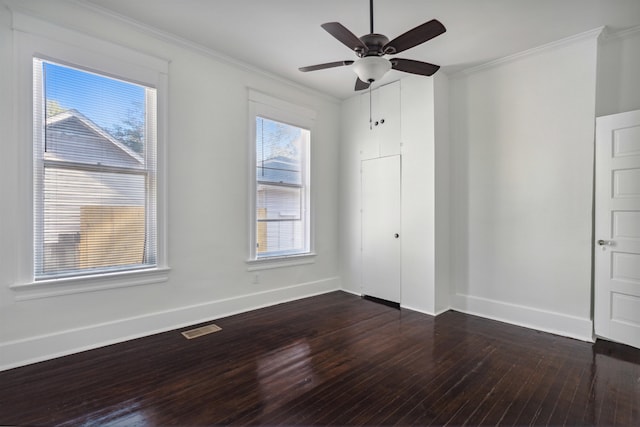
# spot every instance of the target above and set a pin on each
(414, 67)
(346, 37)
(323, 66)
(414, 37)
(360, 85)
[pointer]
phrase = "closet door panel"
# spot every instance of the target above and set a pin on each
(381, 260)
(388, 118)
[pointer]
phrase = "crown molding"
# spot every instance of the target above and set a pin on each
(591, 34)
(198, 48)
(171, 38)
(622, 34)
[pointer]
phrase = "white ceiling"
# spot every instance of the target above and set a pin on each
(279, 36)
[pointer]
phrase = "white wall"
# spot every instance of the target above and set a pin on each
(418, 193)
(208, 202)
(425, 206)
(522, 173)
(350, 197)
(442, 153)
(618, 70)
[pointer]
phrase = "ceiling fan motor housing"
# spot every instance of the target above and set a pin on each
(375, 45)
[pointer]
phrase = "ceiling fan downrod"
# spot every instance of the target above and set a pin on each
(371, 16)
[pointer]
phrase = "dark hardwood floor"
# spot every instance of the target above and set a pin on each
(334, 359)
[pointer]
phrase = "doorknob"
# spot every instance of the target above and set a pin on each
(396, 235)
(605, 242)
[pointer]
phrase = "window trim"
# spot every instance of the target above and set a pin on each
(36, 38)
(42, 163)
(268, 107)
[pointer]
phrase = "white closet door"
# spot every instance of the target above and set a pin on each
(381, 228)
(388, 118)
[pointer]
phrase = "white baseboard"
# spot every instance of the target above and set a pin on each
(352, 292)
(430, 313)
(528, 317)
(408, 307)
(36, 349)
(419, 310)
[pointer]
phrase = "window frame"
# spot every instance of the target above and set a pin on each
(268, 107)
(34, 38)
(42, 163)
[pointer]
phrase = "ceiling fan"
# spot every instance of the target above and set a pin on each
(371, 49)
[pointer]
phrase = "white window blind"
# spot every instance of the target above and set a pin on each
(94, 172)
(282, 188)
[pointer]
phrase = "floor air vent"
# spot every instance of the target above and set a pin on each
(203, 330)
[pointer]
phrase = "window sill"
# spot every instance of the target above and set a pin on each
(75, 285)
(281, 261)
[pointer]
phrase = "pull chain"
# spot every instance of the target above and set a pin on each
(370, 114)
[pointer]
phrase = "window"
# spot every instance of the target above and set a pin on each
(91, 120)
(94, 173)
(281, 202)
(281, 187)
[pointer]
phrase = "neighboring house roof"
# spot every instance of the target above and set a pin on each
(71, 136)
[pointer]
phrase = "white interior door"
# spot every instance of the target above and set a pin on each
(381, 228)
(617, 228)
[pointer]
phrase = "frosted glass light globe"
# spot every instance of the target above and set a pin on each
(371, 68)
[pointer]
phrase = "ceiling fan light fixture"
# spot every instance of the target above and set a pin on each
(371, 68)
(371, 47)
